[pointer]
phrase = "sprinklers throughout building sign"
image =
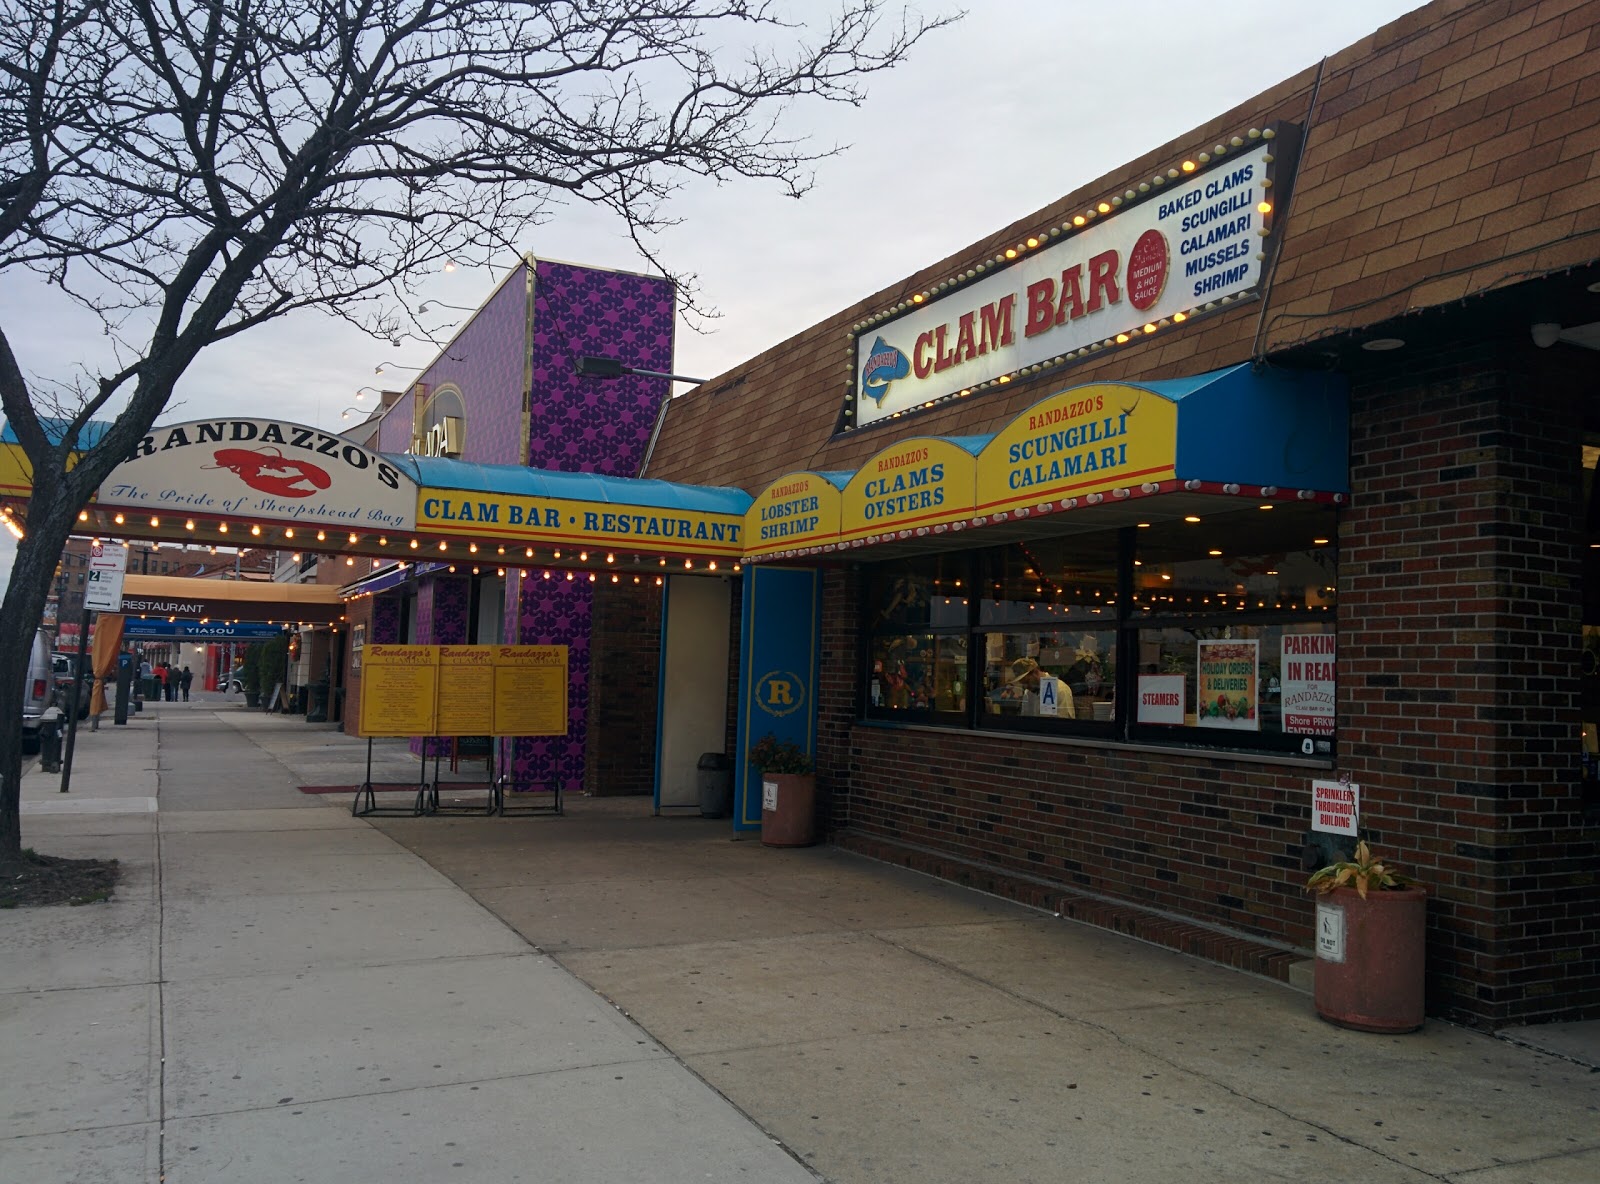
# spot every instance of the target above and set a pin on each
(1183, 246)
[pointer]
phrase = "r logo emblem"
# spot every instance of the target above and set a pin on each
(780, 692)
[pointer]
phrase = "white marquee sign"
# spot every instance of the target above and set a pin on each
(1188, 244)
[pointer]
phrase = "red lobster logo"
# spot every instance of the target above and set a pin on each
(269, 471)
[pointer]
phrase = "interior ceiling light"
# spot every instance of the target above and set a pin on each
(1379, 345)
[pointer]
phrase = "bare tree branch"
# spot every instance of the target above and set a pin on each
(188, 169)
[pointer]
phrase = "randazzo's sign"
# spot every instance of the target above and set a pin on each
(261, 468)
(1189, 243)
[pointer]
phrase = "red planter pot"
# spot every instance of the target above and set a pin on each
(1370, 958)
(788, 809)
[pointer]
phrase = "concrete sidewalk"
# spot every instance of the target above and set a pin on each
(280, 991)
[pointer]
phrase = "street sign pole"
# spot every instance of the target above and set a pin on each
(77, 697)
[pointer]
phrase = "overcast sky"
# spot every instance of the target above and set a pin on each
(1021, 102)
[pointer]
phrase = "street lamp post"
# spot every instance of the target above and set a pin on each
(589, 367)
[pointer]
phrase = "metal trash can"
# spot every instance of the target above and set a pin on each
(714, 775)
(50, 740)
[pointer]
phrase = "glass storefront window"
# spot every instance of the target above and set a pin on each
(1277, 560)
(917, 663)
(1274, 682)
(1048, 581)
(1081, 661)
(1206, 632)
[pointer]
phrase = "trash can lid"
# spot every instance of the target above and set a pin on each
(713, 760)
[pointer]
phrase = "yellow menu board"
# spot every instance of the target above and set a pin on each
(466, 690)
(530, 690)
(399, 689)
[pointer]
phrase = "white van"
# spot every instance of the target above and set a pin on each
(39, 691)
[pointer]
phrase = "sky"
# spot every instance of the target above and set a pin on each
(1019, 103)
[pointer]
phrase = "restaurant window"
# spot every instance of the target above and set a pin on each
(1047, 627)
(1210, 632)
(917, 636)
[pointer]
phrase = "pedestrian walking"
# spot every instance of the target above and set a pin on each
(185, 677)
(161, 681)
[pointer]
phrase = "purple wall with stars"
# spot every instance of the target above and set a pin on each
(444, 603)
(583, 425)
(596, 425)
(578, 425)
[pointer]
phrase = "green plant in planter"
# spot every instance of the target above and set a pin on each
(1363, 871)
(770, 755)
(250, 670)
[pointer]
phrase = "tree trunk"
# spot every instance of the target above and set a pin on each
(50, 519)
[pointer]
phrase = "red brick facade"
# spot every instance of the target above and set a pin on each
(1448, 196)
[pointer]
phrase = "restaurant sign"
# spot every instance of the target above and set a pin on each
(797, 510)
(1088, 439)
(261, 469)
(1187, 245)
(566, 522)
(915, 486)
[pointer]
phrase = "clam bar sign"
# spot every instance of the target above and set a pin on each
(1177, 251)
(262, 468)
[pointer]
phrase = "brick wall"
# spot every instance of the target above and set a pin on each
(1459, 634)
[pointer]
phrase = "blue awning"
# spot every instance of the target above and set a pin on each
(516, 481)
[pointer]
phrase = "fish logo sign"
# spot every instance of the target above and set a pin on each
(268, 471)
(884, 364)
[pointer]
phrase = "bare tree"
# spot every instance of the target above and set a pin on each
(188, 169)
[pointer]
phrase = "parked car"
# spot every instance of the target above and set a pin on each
(65, 666)
(39, 691)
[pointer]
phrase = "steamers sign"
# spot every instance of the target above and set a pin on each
(262, 468)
